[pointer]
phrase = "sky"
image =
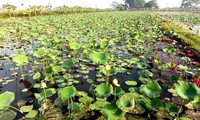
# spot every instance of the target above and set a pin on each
(83, 3)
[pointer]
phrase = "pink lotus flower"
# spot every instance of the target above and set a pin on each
(188, 51)
(171, 41)
(197, 82)
(196, 63)
(190, 55)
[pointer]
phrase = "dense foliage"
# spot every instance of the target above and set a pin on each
(97, 66)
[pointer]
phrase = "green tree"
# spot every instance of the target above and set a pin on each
(190, 3)
(9, 8)
(195, 2)
(135, 3)
(115, 5)
(37, 8)
(151, 4)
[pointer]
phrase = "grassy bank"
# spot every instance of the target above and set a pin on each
(191, 39)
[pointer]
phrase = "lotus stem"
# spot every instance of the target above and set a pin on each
(17, 110)
(179, 111)
(68, 102)
(21, 70)
(115, 92)
(11, 65)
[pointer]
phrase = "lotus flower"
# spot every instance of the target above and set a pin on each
(171, 36)
(190, 55)
(115, 82)
(197, 82)
(188, 51)
(171, 41)
(196, 63)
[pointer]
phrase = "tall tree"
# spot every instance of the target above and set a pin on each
(151, 4)
(195, 2)
(190, 3)
(115, 5)
(135, 3)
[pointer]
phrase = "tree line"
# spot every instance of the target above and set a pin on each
(134, 4)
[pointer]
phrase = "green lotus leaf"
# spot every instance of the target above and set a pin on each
(99, 57)
(36, 76)
(86, 100)
(74, 46)
(67, 93)
(37, 85)
(112, 112)
(8, 115)
(5, 100)
(186, 90)
(41, 96)
(104, 44)
(196, 102)
(169, 107)
(75, 106)
(131, 82)
(146, 73)
(98, 105)
(126, 102)
(141, 65)
(56, 69)
(151, 104)
(134, 60)
(151, 89)
(53, 53)
(104, 90)
(68, 64)
(185, 68)
(39, 53)
(118, 91)
(27, 108)
(48, 70)
(21, 59)
(184, 118)
(169, 49)
(32, 114)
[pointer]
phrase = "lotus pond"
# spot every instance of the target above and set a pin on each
(96, 66)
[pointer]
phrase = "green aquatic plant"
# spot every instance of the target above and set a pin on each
(99, 57)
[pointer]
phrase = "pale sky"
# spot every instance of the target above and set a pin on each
(83, 3)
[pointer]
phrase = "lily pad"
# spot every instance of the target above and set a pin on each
(112, 112)
(32, 114)
(68, 64)
(99, 57)
(151, 89)
(186, 90)
(131, 83)
(104, 90)
(36, 76)
(21, 59)
(27, 108)
(39, 53)
(126, 103)
(56, 69)
(98, 105)
(8, 115)
(67, 93)
(5, 100)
